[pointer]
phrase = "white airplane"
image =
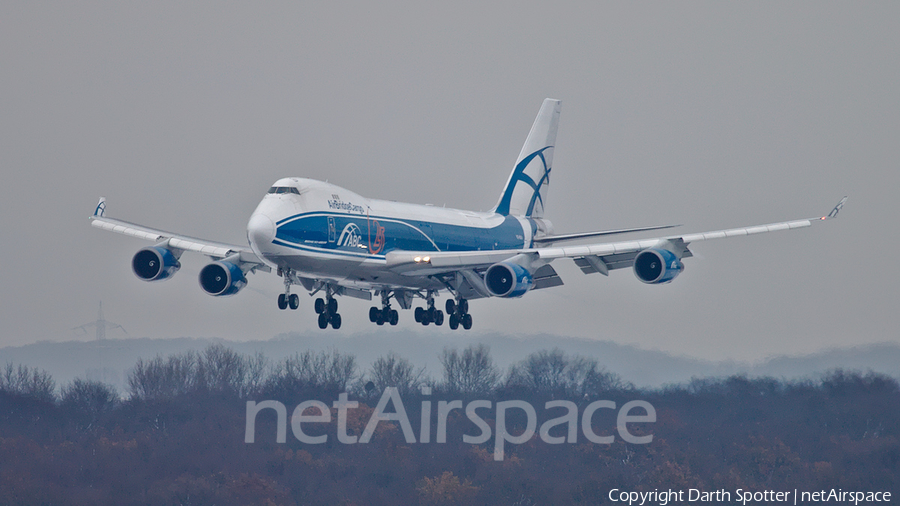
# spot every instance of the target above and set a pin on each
(331, 240)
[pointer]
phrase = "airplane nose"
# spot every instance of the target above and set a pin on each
(260, 231)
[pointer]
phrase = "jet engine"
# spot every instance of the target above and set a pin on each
(154, 263)
(657, 266)
(508, 279)
(222, 278)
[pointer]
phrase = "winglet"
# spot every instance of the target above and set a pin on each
(834, 212)
(100, 210)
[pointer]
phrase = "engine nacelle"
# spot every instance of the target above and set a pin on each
(222, 278)
(154, 263)
(507, 279)
(657, 266)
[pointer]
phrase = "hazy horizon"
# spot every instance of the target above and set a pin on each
(111, 360)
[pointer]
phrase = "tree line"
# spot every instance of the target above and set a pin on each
(175, 436)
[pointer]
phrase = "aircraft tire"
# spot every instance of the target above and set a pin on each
(438, 317)
(332, 306)
(450, 306)
(323, 320)
(282, 303)
(373, 314)
(467, 321)
(419, 313)
(453, 321)
(463, 306)
(395, 317)
(335, 321)
(294, 301)
(320, 306)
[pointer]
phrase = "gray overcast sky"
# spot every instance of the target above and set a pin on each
(708, 114)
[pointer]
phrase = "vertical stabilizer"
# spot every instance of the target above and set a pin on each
(526, 190)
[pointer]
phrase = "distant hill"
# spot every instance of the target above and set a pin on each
(110, 360)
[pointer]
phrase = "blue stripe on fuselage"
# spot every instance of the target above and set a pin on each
(359, 235)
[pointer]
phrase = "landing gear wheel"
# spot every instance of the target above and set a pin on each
(463, 306)
(419, 312)
(323, 320)
(450, 306)
(373, 314)
(454, 321)
(282, 303)
(320, 307)
(395, 317)
(438, 317)
(379, 319)
(335, 321)
(293, 301)
(332, 306)
(467, 321)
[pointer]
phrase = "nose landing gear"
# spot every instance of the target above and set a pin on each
(287, 298)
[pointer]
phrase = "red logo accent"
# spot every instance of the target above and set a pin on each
(376, 248)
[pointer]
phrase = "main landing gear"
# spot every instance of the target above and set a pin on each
(327, 310)
(459, 314)
(429, 314)
(385, 314)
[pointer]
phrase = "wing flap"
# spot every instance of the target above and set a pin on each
(546, 277)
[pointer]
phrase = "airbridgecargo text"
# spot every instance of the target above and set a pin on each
(314, 411)
(346, 206)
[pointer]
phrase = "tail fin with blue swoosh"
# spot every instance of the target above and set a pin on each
(526, 190)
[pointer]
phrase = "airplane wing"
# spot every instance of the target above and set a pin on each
(601, 257)
(213, 249)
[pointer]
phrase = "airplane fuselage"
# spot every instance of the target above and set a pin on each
(324, 231)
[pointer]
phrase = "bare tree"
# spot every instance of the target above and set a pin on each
(543, 371)
(218, 369)
(28, 382)
(89, 397)
(221, 369)
(340, 370)
(555, 373)
(395, 371)
(159, 379)
(307, 370)
(470, 372)
(257, 366)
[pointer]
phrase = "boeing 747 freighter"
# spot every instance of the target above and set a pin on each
(334, 242)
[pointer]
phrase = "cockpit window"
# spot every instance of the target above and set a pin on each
(284, 189)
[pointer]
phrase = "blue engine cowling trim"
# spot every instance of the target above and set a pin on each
(657, 266)
(154, 263)
(221, 279)
(506, 279)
